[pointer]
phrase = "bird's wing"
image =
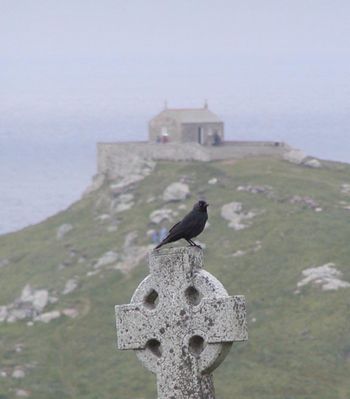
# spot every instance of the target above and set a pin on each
(176, 224)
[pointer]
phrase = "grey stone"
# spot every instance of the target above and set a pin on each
(160, 215)
(233, 212)
(97, 183)
(22, 393)
(214, 180)
(70, 286)
(40, 300)
(18, 373)
(327, 276)
(4, 262)
(313, 163)
(294, 156)
(181, 323)
(345, 188)
(106, 259)
(48, 316)
(3, 313)
(176, 192)
(63, 230)
(70, 312)
(122, 203)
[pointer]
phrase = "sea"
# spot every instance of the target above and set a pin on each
(44, 169)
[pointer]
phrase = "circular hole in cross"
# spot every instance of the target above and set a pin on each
(196, 345)
(151, 299)
(153, 345)
(193, 296)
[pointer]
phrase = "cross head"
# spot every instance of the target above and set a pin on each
(181, 323)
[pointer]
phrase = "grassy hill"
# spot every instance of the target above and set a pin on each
(299, 338)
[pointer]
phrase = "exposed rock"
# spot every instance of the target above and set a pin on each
(313, 163)
(345, 188)
(233, 212)
(70, 286)
(18, 373)
(4, 262)
(40, 299)
(63, 230)
(112, 229)
(182, 207)
(305, 201)
(97, 183)
(70, 312)
(122, 203)
(3, 373)
(132, 258)
(176, 192)
(239, 253)
(249, 188)
(103, 217)
(294, 156)
(3, 313)
(214, 180)
(48, 316)
(22, 393)
(327, 276)
(129, 240)
(106, 259)
(160, 215)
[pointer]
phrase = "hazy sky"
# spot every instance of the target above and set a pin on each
(104, 59)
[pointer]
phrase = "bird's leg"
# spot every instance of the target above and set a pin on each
(195, 245)
(190, 242)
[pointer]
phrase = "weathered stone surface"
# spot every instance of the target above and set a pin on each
(18, 373)
(160, 215)
(327, 276)
(70, 312)
(294, 156)
(237, 218)
(176, 192)
(70, 286)
(313, 163)
(122, 203)
(181, 323)
(63, 230)
(48, 316)
(3, 313)
(107, 259)
(345, 188)
(4, 262)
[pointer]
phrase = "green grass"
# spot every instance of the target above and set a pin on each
(298, 346)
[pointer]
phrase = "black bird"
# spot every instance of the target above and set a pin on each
(189, 227)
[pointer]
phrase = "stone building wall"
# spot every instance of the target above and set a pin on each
(160, 122)
(120, 159)
(190, 132)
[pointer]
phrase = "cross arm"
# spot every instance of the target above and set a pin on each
(223, 319)
(133, 328)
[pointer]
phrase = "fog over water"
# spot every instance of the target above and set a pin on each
(73, 73)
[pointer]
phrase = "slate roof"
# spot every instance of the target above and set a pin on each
(191, 115)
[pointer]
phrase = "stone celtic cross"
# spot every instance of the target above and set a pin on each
(181, 323)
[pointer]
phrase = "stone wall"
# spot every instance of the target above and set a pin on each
(120, 159)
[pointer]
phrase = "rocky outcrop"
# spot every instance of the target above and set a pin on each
(327, 276)
(107, 259)
(160, 215)
(294, 156)
(63, 230)
(237, 218)
(176, 192)
(313, 163)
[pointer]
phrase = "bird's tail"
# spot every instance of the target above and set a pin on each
(165, 241)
